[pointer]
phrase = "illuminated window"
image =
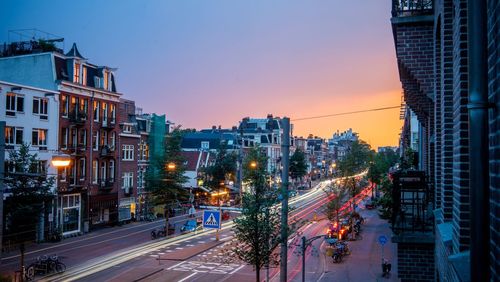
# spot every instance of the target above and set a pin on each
(14, 103)
(96, 111)
(106, 80)
(64, 105)
(39, 138)
(84, 76)
(13, 135)
(76, 73)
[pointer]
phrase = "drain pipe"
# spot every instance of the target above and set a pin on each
(478, 134)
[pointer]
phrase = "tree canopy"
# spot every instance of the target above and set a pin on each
(298, 164)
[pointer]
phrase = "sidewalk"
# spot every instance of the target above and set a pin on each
(364, 262)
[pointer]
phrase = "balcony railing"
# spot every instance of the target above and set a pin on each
(106, 183)
(405, 8)
(77, 117)
(106, 151)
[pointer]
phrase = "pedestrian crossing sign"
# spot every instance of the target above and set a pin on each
(211, 219)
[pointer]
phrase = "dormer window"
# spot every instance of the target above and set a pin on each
(76, 73)
(84, 76)
(106, 80)
(127, 129)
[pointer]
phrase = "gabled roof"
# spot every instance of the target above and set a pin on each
(74, 52)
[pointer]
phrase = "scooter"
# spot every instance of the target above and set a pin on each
(386, 268)
(337, 256)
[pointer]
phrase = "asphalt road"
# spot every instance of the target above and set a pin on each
(194, 255)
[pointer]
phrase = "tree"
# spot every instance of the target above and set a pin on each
(298, 165)
(222, 169)
(380, 165)
(28, 190)
(258, 229)
(165, 175)
(332, 210)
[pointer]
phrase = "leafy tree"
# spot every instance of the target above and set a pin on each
(258, 229)
(222, 169)
(165, 175)
(28, 190)
(380, 165)
(333, 207)
(354, 162)
(298, 165)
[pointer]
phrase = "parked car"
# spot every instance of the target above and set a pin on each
(292, 193)
(192, 225)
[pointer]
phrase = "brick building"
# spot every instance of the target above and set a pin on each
(443, 74)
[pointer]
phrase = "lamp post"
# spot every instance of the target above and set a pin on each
(60, 161)
(171, 166)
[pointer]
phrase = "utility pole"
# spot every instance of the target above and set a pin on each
(285, 152)
(240, 166)
(2, 162)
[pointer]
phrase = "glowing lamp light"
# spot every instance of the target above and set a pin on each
(253, 164)
(61, 161)
(170, 166)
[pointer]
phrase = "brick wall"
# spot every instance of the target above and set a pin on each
(415, 262)
(446, 78)
(438, 120)
(461, 201)
(494, 137)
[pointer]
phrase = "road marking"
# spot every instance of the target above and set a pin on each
(190, 245)
(189, 276)
(179, 248)
(236, 270)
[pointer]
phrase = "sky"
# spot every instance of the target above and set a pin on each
(205, 63)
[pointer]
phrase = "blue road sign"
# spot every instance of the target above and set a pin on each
(211, 219)
(382, 240)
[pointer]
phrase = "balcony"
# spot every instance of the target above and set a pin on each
(406, 8)
(78, 118)
(108, 124)
(77, 149)
(75, 182)
(106, 151)
(106, 184)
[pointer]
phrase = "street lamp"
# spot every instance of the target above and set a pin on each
(253, 164)
(171, 166)
(61, 161)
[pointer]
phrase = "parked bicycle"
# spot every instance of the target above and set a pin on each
(44, 265)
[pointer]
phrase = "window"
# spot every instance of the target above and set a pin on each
(84, 105)
(82, 139)
(96, 111)
(95, 171)
(74, 137)
(140, 178)
(127, 128)
(76, 73)
(104, 138)
(41, 167)
(84, 76)
(106, 80)
(128, 152)
(81, 168)
(39, 138)
(104, 113)
(128, 180)
(103, 171)
(40, 106)
(64, 105)
(112, 170)
(143, 151)
(112, 117)
(13, 135)
(64, 138)
(14, 103)
(73, 107)
(95, 140)
(205, 145)
(64, 173)
(113, 141)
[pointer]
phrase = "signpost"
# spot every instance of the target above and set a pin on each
(382, 240)
(212, 219)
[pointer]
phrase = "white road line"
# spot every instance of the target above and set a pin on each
(179, 248)
(176, 265)
(187, 277)
(236, 270)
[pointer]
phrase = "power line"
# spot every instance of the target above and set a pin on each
(348, 113)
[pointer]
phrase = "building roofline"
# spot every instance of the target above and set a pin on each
(29, 87)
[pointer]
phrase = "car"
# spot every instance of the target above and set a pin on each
(292, 193)
(191, 225)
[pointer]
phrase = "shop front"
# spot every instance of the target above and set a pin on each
(70, 213)
(127, 209)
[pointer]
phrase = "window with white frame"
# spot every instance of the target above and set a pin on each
(64, 137)
(96, 110)
(112, 170)
(39, 138)
(84, 75)
(14, 103)
(82, 139)
(106, 80)
(104, 113)
(205, 145)
(40, 107)
(127, 152)
(112, 141)
(128, 180)
(13, 135)
(95, 140)
(104, 138)
(112, 108)
(83, 110)
(95, 171)
(140, 178)
(127, 128)
(64, 105)
(81, 168)
(76, 72)
(104, 171)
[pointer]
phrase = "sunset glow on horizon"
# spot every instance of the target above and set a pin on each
(213, 63)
